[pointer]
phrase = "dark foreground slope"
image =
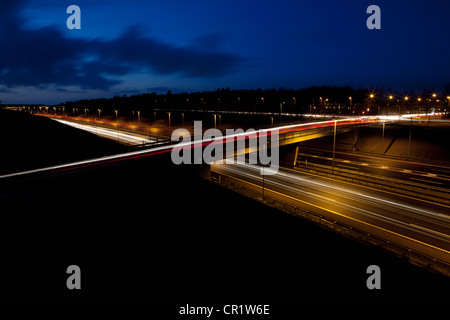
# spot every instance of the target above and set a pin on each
(148, 229)
(30, 142)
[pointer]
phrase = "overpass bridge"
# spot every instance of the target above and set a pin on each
(289, 134)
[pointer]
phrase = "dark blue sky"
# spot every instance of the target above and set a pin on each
(127, 47)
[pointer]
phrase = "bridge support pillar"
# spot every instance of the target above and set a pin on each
(296, 154)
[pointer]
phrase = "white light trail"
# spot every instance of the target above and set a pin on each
(129, 138)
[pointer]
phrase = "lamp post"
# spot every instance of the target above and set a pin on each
(418, 105)
(372, 96)
(281, 109)
(334, 146)
(434, 95)
(350, 100)
(410, 130)
(117, 125)
(321, 105)
(409, 144)
(390, 100)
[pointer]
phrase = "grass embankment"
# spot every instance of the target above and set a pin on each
(29, 142)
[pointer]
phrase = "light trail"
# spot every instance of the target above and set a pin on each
(421, 223)
(349, 193)
(196, 143)
(188, 144)
(120, 136)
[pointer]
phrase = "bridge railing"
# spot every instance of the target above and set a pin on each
(313, 131)
(410, 188)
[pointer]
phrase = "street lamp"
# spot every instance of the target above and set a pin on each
(334, 146)
(371, 96)
(390, 97)
(406, 106)
(117, 125)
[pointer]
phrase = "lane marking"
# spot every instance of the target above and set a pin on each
(367, 187)
(294, 176)
(425, 180)
(345, 166)
(428, 165)
(430, 230)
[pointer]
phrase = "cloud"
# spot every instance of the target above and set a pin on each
(45, 57)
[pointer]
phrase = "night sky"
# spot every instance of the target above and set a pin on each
(128, 47)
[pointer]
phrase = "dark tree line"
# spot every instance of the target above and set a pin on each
(293, 101)
(325, 99)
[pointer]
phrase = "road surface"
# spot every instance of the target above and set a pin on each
(118, 135)
(414, 171)
(425, 225)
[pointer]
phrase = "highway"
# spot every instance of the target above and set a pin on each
(423, 226)
(435, 175)
(419, 225)
(188, 144)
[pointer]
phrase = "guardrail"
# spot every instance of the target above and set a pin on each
(413, 256)
(385, 156)
(415, 189)
(314, 131)
(157, 142)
